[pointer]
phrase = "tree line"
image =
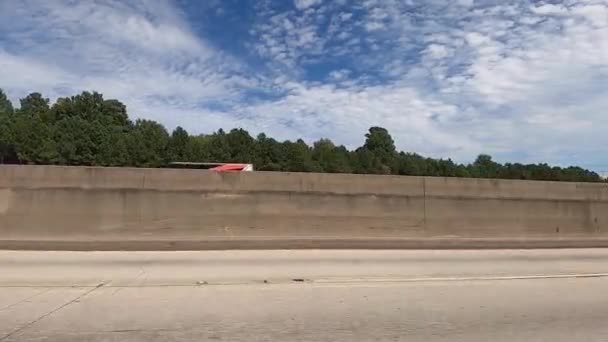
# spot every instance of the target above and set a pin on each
(87, 129)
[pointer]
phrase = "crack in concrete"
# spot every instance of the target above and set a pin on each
(338, 281)
(82, 295)
(26, 299)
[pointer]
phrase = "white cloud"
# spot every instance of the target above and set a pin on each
(544, 86)
(343, 35)
(374, 26)
(550, 9)
(292, 37)
(437, 51)
(304, 4)
(344, 114)
(466, 3)
(134, 52)
(339, 75)
(597, 14)
(521, 80)
(345, 16)
(476, 39)
(20, 75)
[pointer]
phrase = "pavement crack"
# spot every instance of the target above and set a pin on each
(82, 295)
(122, 331)
(354, 281)
(25, 299)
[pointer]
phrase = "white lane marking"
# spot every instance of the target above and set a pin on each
(323, 282)
(446, 279)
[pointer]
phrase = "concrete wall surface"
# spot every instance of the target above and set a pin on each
(91, 203)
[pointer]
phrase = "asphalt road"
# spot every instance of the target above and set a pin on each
(506, 295)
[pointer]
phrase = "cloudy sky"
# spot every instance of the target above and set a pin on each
(522, 80)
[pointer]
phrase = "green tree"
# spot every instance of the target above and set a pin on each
(115, 112)
(197, 149)
(6, 137)
(411, 164)
(91, 107)
(298, 157)
(240, 146)
(382, 154)
(542, 172)
(515, 171)
(86, 129)
(575, 173)
(218, 146)
(331, 158)
(112, 149)
(365, 161)
(6, 107)
(32, 133)
(34, 141)
(485, 167)
(269, 153)
(147, 144)
(75, 141)
(6, 134)
(178, 145)
(36, 106)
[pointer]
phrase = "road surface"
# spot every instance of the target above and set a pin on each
(505, 295)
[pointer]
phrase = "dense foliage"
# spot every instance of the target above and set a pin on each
(86, 129)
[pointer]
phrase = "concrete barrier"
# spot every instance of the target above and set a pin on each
(192, 208)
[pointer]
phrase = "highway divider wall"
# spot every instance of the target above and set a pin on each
(129, 204)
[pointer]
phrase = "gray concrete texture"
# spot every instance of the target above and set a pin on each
(506, 295)
(39, 203)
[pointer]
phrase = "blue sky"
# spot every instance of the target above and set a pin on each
(521, 80)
